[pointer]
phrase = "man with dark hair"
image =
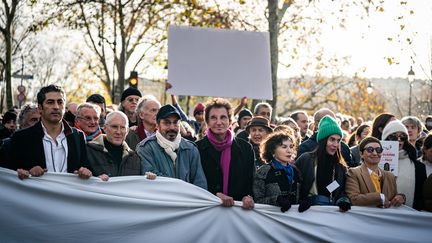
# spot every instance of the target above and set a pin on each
(168, 154)
(8, 124)
(99, 100)
(302, 120)
(228, 162)
(51, 144)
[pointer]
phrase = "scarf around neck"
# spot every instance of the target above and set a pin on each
(223, 146)
(168, 146)
(287, 168)
(89, 137)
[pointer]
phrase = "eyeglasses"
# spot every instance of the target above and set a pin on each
(88, 118)
(395, 137)
(371, 149)
(117, 127)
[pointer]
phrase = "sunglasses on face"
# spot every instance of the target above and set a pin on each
(371, 149)
(395, 137)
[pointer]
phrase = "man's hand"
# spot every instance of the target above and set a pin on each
(23, 174)
(104, 177)
(397, 201)
(386, 204)
(83, 173)
(227, 201)
(150, 175)
(168, 86)
(37, 171)
(248, 202)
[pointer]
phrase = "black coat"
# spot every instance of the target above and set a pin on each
(241, 172)
(306, 164)
(27, 150)
(420, 178)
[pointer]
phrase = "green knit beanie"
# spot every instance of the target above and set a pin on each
(327, 127)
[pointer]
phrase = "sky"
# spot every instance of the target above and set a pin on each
(370, 48)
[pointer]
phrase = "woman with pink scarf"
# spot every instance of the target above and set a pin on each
(228, 162)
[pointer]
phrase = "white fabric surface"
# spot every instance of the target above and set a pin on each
(64, 208)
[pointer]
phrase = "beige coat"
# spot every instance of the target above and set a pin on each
(361, 191)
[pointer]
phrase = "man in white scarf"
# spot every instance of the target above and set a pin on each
(168, 154)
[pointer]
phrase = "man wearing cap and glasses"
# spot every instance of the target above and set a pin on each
(168, 154)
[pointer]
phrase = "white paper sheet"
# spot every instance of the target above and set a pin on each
(221, 63)
(390, 157)
(64, 208)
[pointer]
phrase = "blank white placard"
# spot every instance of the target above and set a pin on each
(221, 63)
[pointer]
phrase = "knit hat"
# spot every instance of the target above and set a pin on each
(243, 113)
(198, 108)
(327, 127)
(261, 122)
(392, 127)
(130, 91)
(8, 116)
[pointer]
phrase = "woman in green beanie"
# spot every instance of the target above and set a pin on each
(324, 170)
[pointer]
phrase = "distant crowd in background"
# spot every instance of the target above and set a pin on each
(236, 153)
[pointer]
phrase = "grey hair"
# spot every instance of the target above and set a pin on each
(144, 100)
(262, 104)
(29, 108)
(414, 121)
(90, 106)
(113, 114)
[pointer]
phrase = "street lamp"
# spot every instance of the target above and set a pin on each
(369, 88)
(411, 75)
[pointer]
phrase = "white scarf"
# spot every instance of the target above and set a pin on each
(169, 146)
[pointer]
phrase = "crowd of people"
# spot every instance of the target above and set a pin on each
(237, 154)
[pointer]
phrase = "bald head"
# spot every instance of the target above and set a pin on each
(319, 114)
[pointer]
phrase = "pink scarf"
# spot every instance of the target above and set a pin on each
(225, 160)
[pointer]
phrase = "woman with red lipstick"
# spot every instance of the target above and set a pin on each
(323, 170)
(411, 172)
(276, 182)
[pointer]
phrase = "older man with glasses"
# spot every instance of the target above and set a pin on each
(87, 120)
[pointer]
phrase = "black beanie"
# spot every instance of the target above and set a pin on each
(130, 91)
(244, 112)
(9, 115)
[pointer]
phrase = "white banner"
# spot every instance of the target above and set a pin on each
(221, 63)
(64, 208)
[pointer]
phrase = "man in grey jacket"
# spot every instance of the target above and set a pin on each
(168, 154)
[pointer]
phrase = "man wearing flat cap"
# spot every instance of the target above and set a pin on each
(168, 154)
